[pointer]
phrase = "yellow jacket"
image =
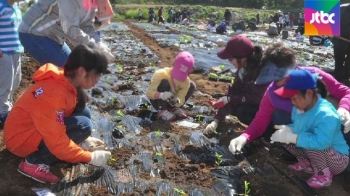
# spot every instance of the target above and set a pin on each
(178, 88)
(39, 115)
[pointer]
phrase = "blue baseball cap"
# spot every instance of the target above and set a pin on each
(297, 81)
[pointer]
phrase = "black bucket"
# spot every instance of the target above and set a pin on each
(284, 34)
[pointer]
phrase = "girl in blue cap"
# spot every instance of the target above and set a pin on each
(314, 137)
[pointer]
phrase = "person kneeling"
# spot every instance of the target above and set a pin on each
(314, 137)
(171, 87)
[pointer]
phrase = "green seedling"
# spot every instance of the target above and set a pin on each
(199, 117)
(130, 80)
(246, 188)
(213, 76)
(215, 132)
(120, 68)
(114, 100)
(182, 38)
(138, 86)
(222, 67)
(158, 133)
(218, 158)
(120, 126)
(112, 160)
(158, 154)
(120, 113)
(188, 38)
(179, 191)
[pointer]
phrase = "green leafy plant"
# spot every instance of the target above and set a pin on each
(112, 160)
(222, 67)
(179, 191)
(158, 133)
(215, 132)
(158, 154)
(213, 76)
(120, 126)
(120, 68)
(218, 158)
(182, 39)
(114, 100)
(246, 188)
(120, 113)
(188, 38)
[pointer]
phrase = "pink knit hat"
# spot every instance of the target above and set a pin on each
(183, 66)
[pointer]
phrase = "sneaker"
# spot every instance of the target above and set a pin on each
(38, 172)
(302, 165)
(179, 113)
(166, 115)
(3, 117)
(320, 179)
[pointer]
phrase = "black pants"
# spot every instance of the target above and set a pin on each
(160, 19)
(342, 59)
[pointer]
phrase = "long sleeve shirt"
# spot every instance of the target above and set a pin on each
(38, 115)
(60, 20)
(319, 128)
(270, 102)
(178, 88)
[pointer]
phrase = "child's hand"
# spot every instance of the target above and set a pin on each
(284, 136)
(166, 95)
(345, 119)
(221, 102)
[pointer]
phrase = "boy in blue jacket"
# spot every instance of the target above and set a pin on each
(315, 136)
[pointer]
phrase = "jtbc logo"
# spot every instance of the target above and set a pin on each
(316, 17)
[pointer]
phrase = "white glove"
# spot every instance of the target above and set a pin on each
(166, 96)
(284, 136)
(211, 127)
(237, 144)
(93, 144)
(104, 48)
(284, 127)
(345, 119)
(100, 157)
(173, 101)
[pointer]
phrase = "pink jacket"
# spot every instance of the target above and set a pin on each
(263, 117)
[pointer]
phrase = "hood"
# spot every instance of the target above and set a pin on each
(49, 71)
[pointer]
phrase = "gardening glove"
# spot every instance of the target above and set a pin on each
(104, 48)
(100, 157)
(345, 119)
(173, 101)
(210, 128)
(165, 96)
(93, 144)
(237, 144)
(284, 127)
(284, 136)
(221, 102)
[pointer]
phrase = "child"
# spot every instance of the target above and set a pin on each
(314, 136)
(46, 123)
(171, 87)
(10, 54)
(243, 96)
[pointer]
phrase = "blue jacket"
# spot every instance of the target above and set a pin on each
(222, 27)
(319, 128)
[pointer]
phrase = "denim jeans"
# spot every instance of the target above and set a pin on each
(79, 128)
(44, 49)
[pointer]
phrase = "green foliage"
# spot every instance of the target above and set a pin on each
(218, 158)
(158, 133)
(179, 191)
(120, 113)
(246, 188)
(158, 154)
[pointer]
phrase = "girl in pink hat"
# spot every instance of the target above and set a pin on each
(171, 87)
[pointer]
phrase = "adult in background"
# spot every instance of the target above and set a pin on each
(243, 96)
(258, 18)
(222, 27)
(160, 15)
(234, 17)
(48, 23)
(341, 47)
(227, 15)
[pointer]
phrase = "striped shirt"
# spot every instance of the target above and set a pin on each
(10, 18)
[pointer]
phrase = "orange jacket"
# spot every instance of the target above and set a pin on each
(39, 115)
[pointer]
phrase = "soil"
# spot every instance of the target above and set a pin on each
(270, 175)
